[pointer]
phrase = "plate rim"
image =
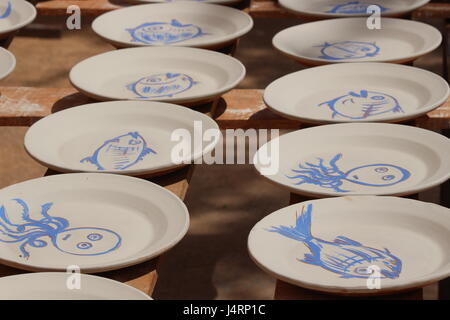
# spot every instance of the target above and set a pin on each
(180, 100)
(12, 67)
(119, 104)
(390, 119)
(313, 60)
(340, 290)
(123, 285)
(392, 13)
(24, 22)
(124, 262)
(322, 194)
(217, 42)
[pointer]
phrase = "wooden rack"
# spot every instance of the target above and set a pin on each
(22, 106)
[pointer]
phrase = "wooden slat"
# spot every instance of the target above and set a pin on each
(286, 291)
(240, 108)
(88, 7)
(258, 9)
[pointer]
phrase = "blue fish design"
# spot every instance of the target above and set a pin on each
(7, 12)
(120, 153)
(344, 256)
(165, 33)
(17, 226)
(354, 7)
(161, 85)
(362, 105)
(348, 50)
(331, 177)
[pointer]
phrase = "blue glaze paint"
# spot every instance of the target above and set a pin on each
(120, 153)
(331, 177)
(165, 33)
(161, 85)
(348, 50)
(7, 12)
(37, 233)
(344, 256)
(362, 104)
(354, 7)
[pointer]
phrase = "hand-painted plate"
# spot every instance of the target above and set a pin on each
(7, 63)
(355, 245)
(126, 137)
(170, 74)
(353, 92)
(356, 159)
(53, 286)
(223, 2)
(15, 14)
(350, 40)
(187, 24)
(349, 8)
(98, 222)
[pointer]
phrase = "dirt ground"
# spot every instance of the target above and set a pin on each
(224, 201)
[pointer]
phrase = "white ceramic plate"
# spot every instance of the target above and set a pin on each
(187, 24)
(356, 159)
(346, 8)
(98, 222)
(223, 2)
(170, 74)
(127, 137)
(53, 286)
(15, 14)
(349, 40)
(334, 245)
(352, 92)
(7, 63)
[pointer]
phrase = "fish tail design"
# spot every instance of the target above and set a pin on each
(301, 231)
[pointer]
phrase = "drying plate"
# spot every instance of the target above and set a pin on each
(348, 8)
(356, 159)
(350, 40)
(356, 92)
(98, 222)
(136, 138)
(355, 245)
(187, 24)
(169, 74)
(54, 286)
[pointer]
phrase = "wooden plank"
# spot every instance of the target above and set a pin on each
(258, 9)
(286, 291)
(88, 7)
(239, 108)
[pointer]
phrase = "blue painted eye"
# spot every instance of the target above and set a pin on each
(388, 177)
(365, 49)
(95, 236)
(381, 169)
(134, 142)
(377, 98)
(84, 245)
(363, 270)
